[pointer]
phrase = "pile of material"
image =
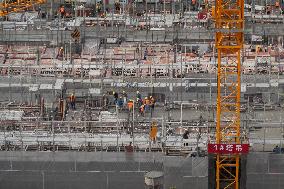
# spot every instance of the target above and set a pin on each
(11, 115)
(106, 116)
(30, 16)
(17, 17)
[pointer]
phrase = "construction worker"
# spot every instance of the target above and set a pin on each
(152, 104)
(138, 98)
(60, 52)
(62, 11)
(147, 104)
(124, 95)
(185, 134)
(153, 131)
(98, 7)
(144, 101)
(142, 109)
(130, 105)
(194, 5)
(103, 15)
(117, 6)
(120, 102)
(129, 148)
(115, 96)
(145, 54)
(72, 101)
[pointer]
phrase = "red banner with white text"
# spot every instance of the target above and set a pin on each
(228, 148)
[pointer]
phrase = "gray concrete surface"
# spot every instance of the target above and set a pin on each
(36, 170)
(97, 170)
(265, 171)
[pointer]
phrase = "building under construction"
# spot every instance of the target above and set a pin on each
(115, 94)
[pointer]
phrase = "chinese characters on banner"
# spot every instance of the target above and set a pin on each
(228, 148)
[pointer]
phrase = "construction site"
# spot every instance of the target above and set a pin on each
(156, 94)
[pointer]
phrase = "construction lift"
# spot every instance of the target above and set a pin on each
(228, 16)
(9, 6)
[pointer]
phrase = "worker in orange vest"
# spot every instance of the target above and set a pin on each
(130, 105)
(62, 11)
(72, 101)
(153, 131)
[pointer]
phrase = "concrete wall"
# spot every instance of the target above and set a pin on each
(265, 171)
(47, 170)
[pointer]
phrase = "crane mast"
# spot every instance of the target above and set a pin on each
(229, 24)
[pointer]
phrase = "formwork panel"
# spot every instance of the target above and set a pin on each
(21, 179)
(276, 164)
(149, 166)
(5, 165)
(257, 164)
(74, 180)
(46, 165)
(89, 166)
(263, 181)
(126, 180)
(195, 182)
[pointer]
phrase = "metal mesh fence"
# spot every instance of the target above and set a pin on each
(265, 170)
(98, 170)
(125, 170)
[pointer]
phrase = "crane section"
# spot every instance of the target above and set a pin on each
(229, 24)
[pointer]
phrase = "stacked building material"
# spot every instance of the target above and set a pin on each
(11, 115)
(18, 17)
(30, 16)
(106, 116)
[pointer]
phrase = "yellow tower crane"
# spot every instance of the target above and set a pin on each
(9, 6)
(229, 24)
